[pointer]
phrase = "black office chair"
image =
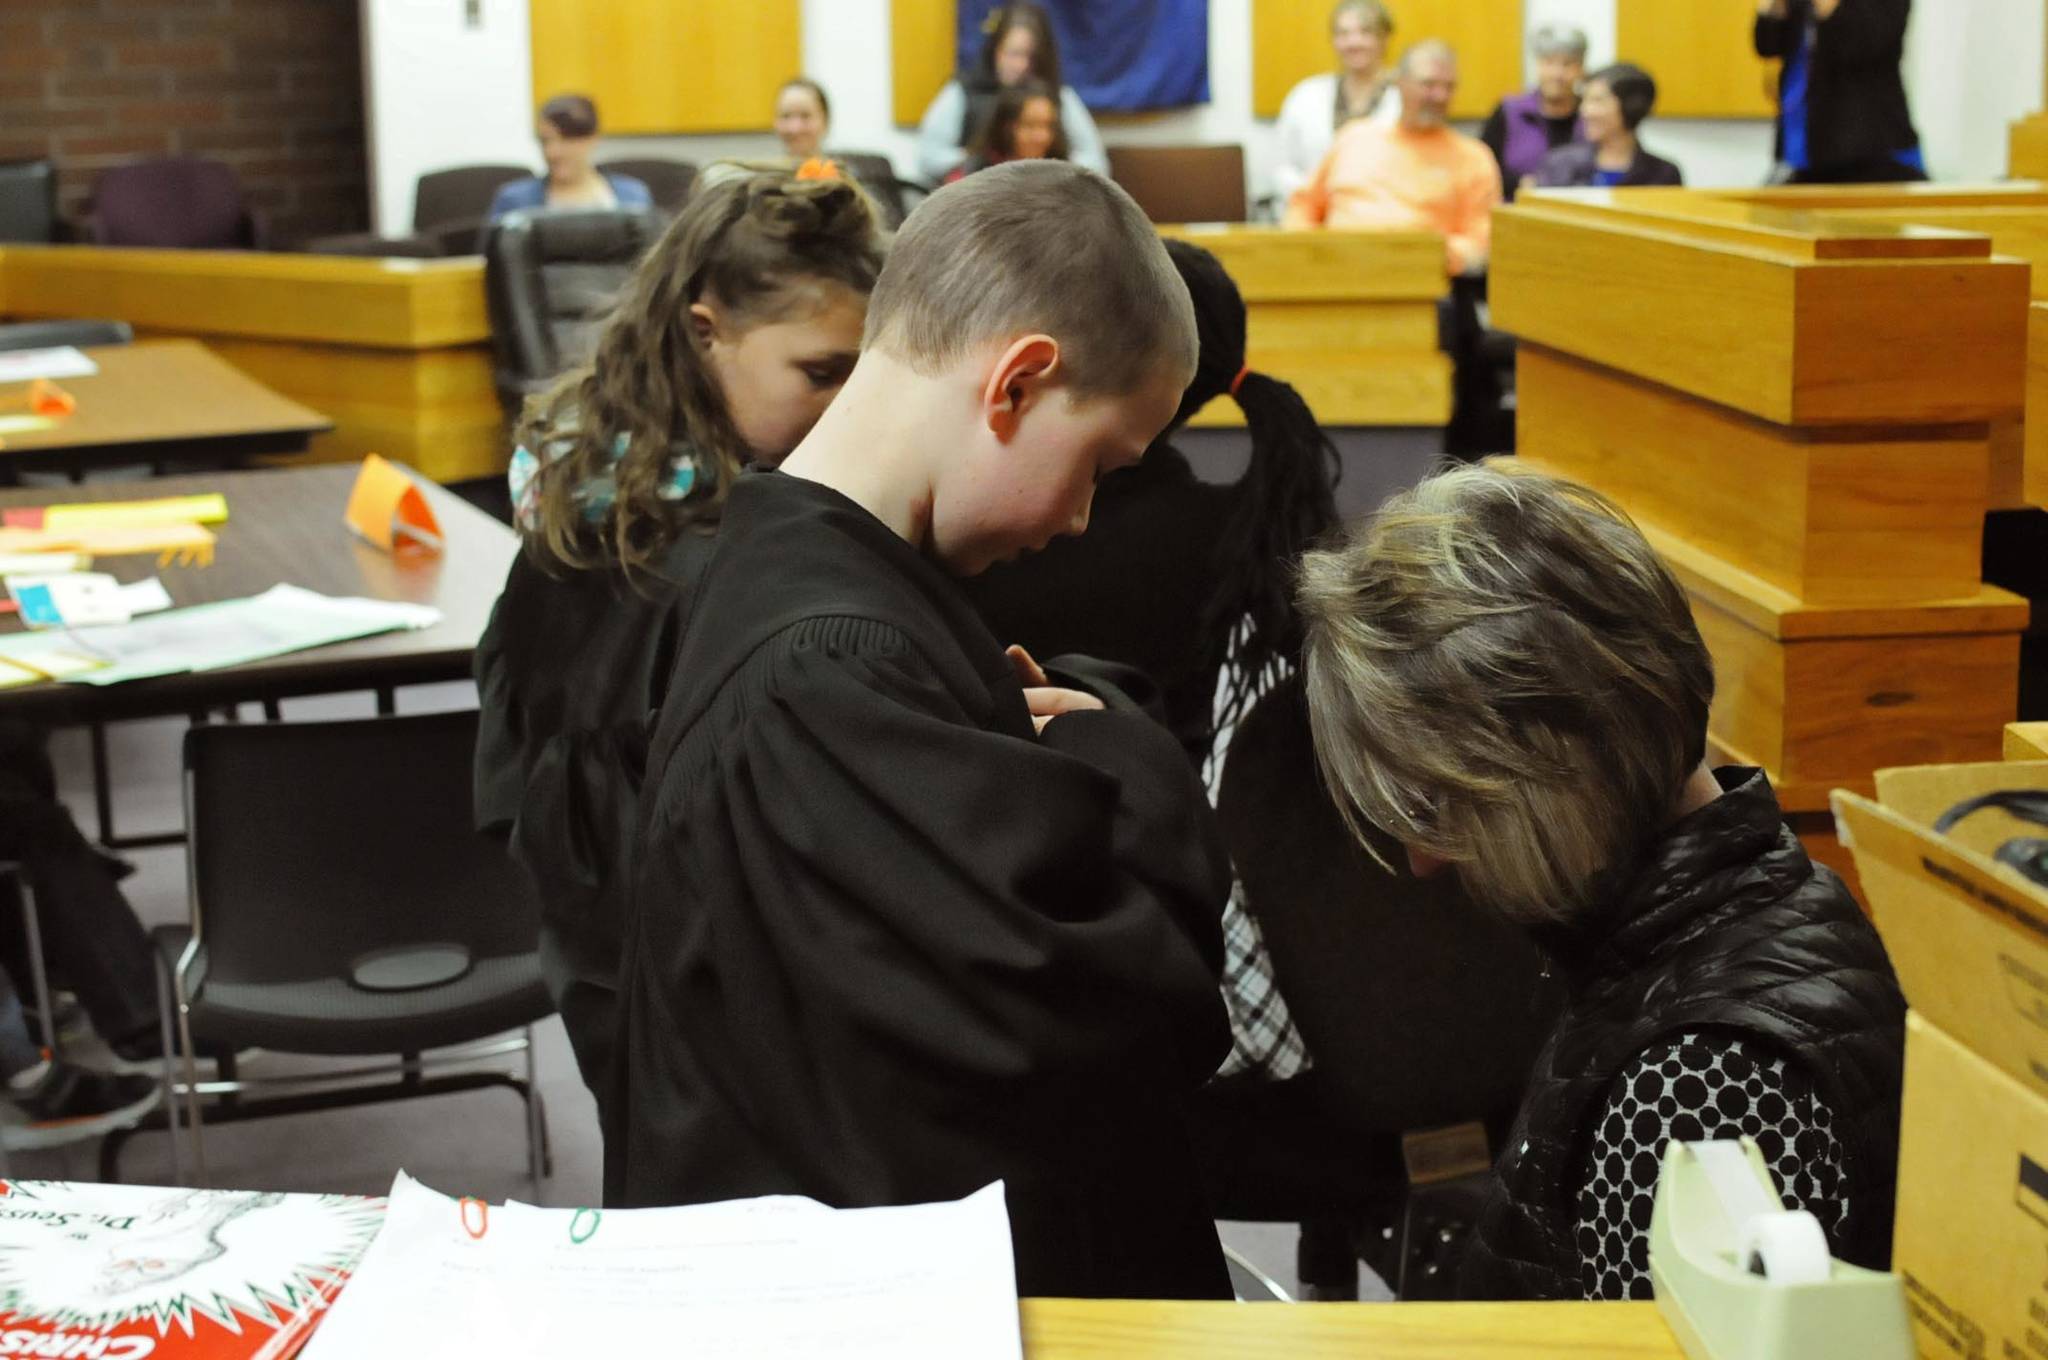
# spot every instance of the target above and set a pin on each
(670, 181)
(1183, 183)
(1482, 375)
(49, 334)
(343, 904)
(1422, 1013)
(876, 173)
(448, 210)
(550, 278)
(28, 201)
(450, 205)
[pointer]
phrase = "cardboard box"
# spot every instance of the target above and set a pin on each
(1971, 1238)
(1969, 938)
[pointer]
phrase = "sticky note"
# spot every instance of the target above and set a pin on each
(388, 509)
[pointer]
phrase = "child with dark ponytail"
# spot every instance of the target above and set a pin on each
(726, 345)
(1190, 582)
(1193, 584)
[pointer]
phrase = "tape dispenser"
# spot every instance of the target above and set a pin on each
(1741, 1277)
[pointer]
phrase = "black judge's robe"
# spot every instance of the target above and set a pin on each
(887, 945)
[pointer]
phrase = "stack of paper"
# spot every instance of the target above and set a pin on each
(59, 361)
(203, 638)
(753, 1278)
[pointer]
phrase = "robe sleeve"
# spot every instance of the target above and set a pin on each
(992, 906)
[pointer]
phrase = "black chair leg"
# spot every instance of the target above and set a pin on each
(1327, 1261)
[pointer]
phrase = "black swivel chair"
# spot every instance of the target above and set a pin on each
(344, 905)
(448, 210)
(1183, 183)
(48, 334)
(1421, 1012)
(876, 173)
(550, 278)
(669, 181)
(28, 201)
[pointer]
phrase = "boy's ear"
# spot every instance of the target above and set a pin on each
(703, 322)
(1019, 378)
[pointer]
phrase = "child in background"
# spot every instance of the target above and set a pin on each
(908, 917)
(734, 333)
(1024, 125)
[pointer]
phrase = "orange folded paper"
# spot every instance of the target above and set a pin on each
(388, 509)
(43, 398)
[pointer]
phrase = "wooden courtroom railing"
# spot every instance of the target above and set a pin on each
(1796, 393)
(395, 352)
(1349, 318)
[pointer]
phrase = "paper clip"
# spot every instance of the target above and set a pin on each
(483, 1217)
(595, 1217)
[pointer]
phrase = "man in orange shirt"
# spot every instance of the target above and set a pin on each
(1420, 174)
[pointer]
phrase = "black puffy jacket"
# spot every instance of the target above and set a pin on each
(1728, 926)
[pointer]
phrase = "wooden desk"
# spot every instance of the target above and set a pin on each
(1805, 397)
(1348, 317)
(161, 401)
(1077, 1329)
(285, 526)
(396, 352)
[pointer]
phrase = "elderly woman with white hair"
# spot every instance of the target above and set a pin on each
(1526, 127)
(1505, 678)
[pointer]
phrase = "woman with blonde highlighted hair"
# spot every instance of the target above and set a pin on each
(1506, 678)
(1362, 86)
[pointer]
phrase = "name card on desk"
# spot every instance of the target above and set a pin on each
(388, 510)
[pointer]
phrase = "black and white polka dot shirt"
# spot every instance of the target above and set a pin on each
(1701, 1086)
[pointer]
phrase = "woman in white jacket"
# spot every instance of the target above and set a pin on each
(1358, 88)
(1020, 45)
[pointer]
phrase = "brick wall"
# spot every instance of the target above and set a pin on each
(273, 88)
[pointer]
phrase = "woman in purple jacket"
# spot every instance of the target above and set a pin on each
(1527, 126)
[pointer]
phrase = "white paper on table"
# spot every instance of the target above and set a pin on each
(60, 361)
(145, 597)
(745, 1280)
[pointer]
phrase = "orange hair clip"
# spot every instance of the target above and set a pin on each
(818, 167)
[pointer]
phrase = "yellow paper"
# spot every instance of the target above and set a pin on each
(190, 544)
(207, 509)
(21, 424)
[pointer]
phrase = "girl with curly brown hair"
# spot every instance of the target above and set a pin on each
(733, 335)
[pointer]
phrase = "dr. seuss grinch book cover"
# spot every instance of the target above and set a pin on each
(120, 1272)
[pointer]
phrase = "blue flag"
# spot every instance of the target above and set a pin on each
(1118, 54)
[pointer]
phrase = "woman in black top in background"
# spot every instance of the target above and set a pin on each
(1186, 580)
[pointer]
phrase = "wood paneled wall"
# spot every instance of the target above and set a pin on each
(1291, 40)
(669, 66)
(921, 51)
(1702, 55)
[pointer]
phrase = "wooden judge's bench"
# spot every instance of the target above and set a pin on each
(1809, 398)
